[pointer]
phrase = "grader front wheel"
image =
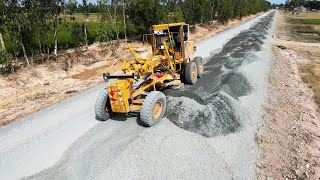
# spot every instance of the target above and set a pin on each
(200, 66)
(153, 108)
(102, 106)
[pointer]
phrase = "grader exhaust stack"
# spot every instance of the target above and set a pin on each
(139, 88)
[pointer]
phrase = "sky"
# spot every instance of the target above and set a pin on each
(277, 1)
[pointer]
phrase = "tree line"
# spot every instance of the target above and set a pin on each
(38, 28)
(310, 4)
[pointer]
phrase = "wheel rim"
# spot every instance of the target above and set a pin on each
(194, 73)
(157, 110)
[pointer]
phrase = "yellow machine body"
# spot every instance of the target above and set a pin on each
(119, 93)
(170, 51)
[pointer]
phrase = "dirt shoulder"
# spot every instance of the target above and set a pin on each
(204, 31)
(289, 140)
(34, 88)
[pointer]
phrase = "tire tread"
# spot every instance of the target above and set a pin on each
(188, 73)
(147, 107)
(198, 60)
(100, 112)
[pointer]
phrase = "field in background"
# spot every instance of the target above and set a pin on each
(305, 27)
(64, 32)
(310, 73)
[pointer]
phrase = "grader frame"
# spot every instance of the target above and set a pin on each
(137, 90)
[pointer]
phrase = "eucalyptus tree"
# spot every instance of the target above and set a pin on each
(144, 13)
(124, 20)
(240, 8)
(85, 15)
(39, 18)
(2, 22)
(104, 32)
(77, 34)
(3, 47)
(54, 11)
(110, 14)
(16, 23)
(71, 8)
(225, 10)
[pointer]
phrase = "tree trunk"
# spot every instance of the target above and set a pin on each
(85, 30)
(48, 53)
(25, 54)
(32, 59)
(3, 47)
(41, 53)
(124, 22)
(117, 33)
(12, 67)
(55, 36)
(23, 48)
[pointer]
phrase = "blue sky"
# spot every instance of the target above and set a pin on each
(277, 1)
(272, 1)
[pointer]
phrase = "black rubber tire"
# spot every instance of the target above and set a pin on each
(200, 66)
(102, 105)
(190, 79)
(146, 112)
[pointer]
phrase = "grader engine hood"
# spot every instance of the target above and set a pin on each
(119, 94)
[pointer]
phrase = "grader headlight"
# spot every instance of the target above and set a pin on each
(136, 76)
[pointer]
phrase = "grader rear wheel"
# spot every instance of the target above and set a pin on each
(153, 108)
(191, 73)
(102, 106)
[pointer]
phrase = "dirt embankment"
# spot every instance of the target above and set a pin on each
(289, 140)
(33, 88)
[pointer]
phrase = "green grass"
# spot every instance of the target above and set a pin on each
(304, 29)
(311, 21)
(305, 21)
(92, 18)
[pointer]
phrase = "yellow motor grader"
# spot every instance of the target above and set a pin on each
(139, 88)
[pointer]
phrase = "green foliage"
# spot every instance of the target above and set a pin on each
(104, 34)
(311, 21)
(176, 16)
(77, 34)
(145, 13)
(191, 11)
(5, 61)
(225, 10)
(197, 11)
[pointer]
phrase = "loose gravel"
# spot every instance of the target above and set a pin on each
(207, 134)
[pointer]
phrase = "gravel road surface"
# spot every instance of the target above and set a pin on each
(208, 131)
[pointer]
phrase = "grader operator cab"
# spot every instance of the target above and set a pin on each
(139, 88)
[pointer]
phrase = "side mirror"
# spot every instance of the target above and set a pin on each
(186, 32)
